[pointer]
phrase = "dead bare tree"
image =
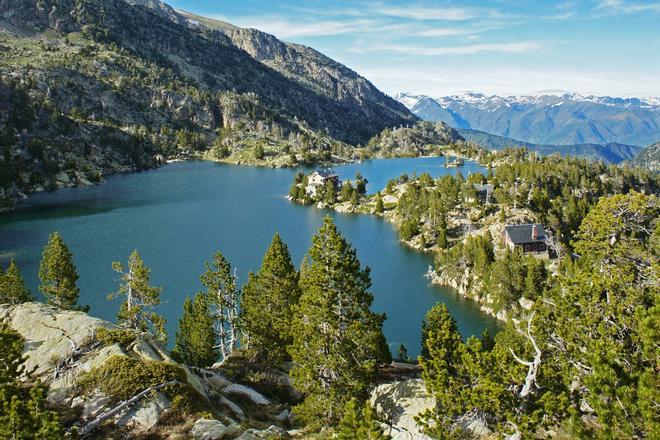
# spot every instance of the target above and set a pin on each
(94, 424)
(530, 379)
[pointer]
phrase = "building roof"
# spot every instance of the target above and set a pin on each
(484, 187)
(327, 174)
(519, 234)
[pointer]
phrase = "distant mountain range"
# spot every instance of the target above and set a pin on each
(566, 119)
(610, 152)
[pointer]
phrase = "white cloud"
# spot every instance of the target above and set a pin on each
(442, 32)
(626, 7)
(450, 80)
(284, 28)
(426, 13)
(472, 49)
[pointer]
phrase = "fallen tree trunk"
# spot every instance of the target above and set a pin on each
(94, 424)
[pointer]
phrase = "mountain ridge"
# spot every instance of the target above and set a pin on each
(611, 152)
(93, 87)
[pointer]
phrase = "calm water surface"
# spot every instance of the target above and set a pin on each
(179, 215)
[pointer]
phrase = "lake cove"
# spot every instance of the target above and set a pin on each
(177, 216)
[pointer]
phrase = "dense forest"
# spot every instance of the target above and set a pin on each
(446, 216)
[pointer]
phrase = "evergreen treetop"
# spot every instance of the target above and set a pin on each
(12, 286)
(58, 274)
(195, 338)
(267, 303)
(337, 339)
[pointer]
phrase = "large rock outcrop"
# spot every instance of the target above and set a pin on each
(63, 348)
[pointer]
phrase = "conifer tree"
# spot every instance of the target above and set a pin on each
(267, 303)
(195, 337)
(58, 274)
(140, 298)
(224, 297)
(379, 208)
(347, 191)
(12, 286)
(359, 423)
(360, 184)
(337, 339)
(402, 355)
(442, 232)
(23, 413)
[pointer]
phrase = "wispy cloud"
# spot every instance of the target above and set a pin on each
(289, 28)
(472, 49)
(443, 32)
(626, 7)
(427, 13)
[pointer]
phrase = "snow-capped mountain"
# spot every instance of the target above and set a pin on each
(550, 118)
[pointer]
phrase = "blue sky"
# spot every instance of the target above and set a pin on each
(602, 47)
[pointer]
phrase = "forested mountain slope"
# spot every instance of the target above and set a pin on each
(610, 152)
(649, 157)
(92, 87)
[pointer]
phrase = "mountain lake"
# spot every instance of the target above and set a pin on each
(178, 215)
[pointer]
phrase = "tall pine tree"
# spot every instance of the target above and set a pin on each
(195, 338)
(12, 286)
(140, 299)
(267, 303)
(337, 339)
(58, 275)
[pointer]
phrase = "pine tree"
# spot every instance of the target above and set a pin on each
(136, 311)
(360, 184)
(347, 191)
(12, 286)
(359, 423)
(195, 338)
(442, 232)
(23, 413)
(224, 297)
(259, 153)
(337, 339)
(58, 275)
(267, 303)
(379, 208)
(402, 355)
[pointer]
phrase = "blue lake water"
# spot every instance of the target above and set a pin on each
(179, 215)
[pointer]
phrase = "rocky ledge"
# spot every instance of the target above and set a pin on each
(109, 381)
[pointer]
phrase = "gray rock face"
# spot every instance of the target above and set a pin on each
(209, 429)
(147, 414)
(398, 403)
(273, 432)
(51, 334)
(59, 347)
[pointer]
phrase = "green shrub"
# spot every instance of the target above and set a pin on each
(408, 230)
(123, 337)
(122, 377)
